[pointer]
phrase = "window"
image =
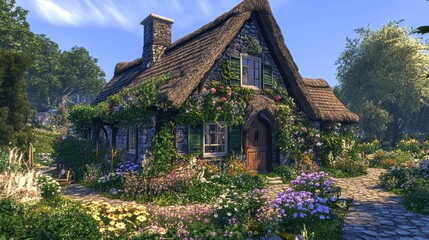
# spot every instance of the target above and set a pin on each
(215, 139)
(251, 71)
(132, 140)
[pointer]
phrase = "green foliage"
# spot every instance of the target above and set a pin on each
(134, 105)
(69, 153)
(286, 172)
(49, 188)
(61, 219)
(14, 108)
(44, 140)
(81, 116)
(345, 167)
(219, 103)
(395, 178)
(368, 67)
(11, 225)
(254, 47)
(15, 32)
(416, 195)
(162, 151)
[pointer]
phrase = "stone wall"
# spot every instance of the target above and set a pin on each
(145, 135)
(239, 45)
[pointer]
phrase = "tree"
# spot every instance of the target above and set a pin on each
(42, 78)
(78, 73)
(15, 34)
(385, 69)
(14, 108)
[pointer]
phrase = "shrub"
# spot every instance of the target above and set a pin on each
(69, 153)
(285, 172)
(394, 178)
(49, 188)
(348, 167)
(416, 195)
(11, 224)
(61, 219)
(409, 145)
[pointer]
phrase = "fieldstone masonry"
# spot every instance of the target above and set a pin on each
(157, 37)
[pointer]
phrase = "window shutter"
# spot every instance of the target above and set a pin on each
(195, 140)
(267, 77)
(236, 69)
(234, 139)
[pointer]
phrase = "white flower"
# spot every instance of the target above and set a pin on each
(229, 214)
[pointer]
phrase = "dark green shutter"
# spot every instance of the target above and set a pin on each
(267, 77)
(195, 140)
(236, 69)
(234, 139)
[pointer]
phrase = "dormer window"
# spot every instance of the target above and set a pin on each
(250, 71)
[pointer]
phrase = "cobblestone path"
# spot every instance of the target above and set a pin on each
(377, 213)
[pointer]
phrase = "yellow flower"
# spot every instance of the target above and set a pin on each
(121, 216)
(141, 218)
(113, 216)
(111, 229)
(120, 225)
(97, 218)
(102, 230)
(112, 223)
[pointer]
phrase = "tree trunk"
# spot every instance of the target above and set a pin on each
(62, 100)
(396, 129)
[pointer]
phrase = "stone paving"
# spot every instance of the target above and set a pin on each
(374, 214)
(377, 213)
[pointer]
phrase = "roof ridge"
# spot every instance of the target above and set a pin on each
(244, 6)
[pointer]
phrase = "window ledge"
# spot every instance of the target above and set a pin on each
(251, 87)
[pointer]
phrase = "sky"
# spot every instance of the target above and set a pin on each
(315, 31)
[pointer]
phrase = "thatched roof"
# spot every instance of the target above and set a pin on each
(125, 73)
(260, 105)
(190, 59)
(325, 104)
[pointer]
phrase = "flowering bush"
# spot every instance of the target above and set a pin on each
(409, 145)
(110, 181)
(114, 221)
(395, 177)
(49, 188)
(318, 183)
(217, 103)
(422, 168)
(128, 167)
(416, 195)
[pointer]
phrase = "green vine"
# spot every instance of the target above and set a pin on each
(254, 47)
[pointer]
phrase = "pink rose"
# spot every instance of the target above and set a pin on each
(223, 99)
(277, 98)
(213, 90)
(228, 88)
(218, 108)
(229, 94)
(221, 87)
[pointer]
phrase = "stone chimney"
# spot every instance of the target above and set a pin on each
(157, 37)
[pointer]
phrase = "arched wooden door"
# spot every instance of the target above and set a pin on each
(257, 147)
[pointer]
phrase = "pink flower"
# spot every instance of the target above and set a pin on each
(229, 94)
(228, 88)
(218, 108)
(277, 98)
(221, 87)
(213, 90)
(223, 99)
(214, 102)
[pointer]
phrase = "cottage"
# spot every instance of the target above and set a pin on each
(249, 39)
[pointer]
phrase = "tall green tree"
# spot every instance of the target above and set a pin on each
(14, 108)
(79, 73)
(15, 34)
(385, 69)
(43, 74)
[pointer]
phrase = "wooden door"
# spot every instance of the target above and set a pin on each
(257, 147)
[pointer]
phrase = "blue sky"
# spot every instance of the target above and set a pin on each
(315, 31)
